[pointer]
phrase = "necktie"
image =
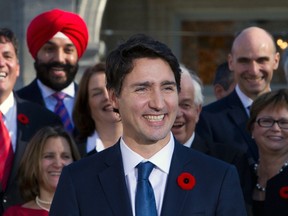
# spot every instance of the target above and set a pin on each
(61, 110)
(145, 201)
(6, 153)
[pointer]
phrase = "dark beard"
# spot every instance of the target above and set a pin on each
(42, 73)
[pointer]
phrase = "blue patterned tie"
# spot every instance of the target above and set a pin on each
(145, 201)
(61, 110)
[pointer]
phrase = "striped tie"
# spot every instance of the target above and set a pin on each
(61, 110)
(6, 154)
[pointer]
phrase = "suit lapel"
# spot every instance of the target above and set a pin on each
(113, 182)
(239, 116)
(175, 197)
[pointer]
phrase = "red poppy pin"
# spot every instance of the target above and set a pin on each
(23, 118)
(186, 181)
(284, 192)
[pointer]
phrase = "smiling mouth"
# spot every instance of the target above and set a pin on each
(154, 118)
(3, 75)
(253, 79)
(178, 125)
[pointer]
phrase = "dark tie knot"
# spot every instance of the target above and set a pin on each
(144, 170)
(59, 96)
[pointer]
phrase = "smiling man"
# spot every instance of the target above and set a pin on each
(56, 39)
(19, 121)
(253, 59)
(147, 172)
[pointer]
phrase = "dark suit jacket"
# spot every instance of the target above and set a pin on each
(32, 93)
(82, 145)
(38, 117)
(225, 121)
(234, 156)
(274, 203)
(96, 185)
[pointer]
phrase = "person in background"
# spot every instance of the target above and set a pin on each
(191, 100)
(268, 124)
(253, 59)
(57, 40)
(98, 125)
(147, 172)
(284, 61)
(223, 83)
(49, 150)
(19, 120)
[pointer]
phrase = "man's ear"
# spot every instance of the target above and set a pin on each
(113, 98)
(218, 91)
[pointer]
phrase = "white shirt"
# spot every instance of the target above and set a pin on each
(50, 101)
(246, 101)
(9, 111)
(189, 141)
(158, 176)
(94, 142)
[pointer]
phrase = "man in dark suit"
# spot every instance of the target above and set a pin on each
(56, 39)
(190, 104)
(21, 118)
(253, 59)
(143, 80)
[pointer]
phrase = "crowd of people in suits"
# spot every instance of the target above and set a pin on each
(139, 110)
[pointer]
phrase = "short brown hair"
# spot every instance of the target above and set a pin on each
(275, 99)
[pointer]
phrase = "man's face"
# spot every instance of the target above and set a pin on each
(148, 103)
(253, 62)
(57, 63)
(9, 68)
(188, 113)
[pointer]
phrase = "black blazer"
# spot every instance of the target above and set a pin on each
(38, 117)
(96, 185)
(225, 121)
(234, 156)
(275, 203)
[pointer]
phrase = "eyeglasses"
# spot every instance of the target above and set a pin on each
(268, 123)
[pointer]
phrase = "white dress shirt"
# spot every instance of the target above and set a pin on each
(158, 176)
(50, 101)
(9, 110)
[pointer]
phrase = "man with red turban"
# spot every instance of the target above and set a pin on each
(56, 39)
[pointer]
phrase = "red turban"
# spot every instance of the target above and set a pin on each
(44, 26)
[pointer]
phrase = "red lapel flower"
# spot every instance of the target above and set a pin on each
(186, 181)
(23, 118)
(284, 192)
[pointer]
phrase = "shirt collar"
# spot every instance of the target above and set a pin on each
(190, 141)
(246, 101)
(7, 104)
(162, 159)
(47, 92)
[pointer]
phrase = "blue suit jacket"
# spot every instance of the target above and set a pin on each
(96, 185)
(225, 121)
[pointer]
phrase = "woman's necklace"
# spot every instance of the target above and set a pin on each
(39, 203)
(258, 186)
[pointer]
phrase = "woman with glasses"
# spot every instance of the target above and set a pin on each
(268, 125)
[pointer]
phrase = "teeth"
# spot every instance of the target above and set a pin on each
(154, 118)
(55, 173)
(3, 74)
(178, 124)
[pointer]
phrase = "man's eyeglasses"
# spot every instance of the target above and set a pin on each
(268, 122)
